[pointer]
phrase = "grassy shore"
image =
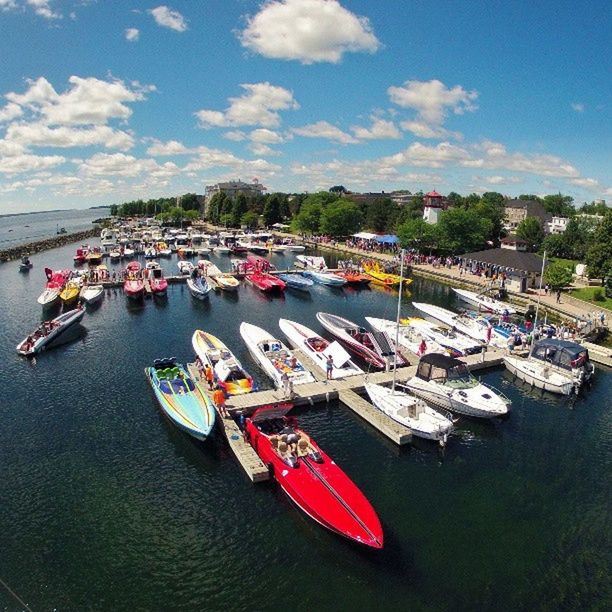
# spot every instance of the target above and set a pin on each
(587, 293)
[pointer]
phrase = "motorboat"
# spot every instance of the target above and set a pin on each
(308, 262)
(228, 371)
(558, 366)
(70, 292)
(150, 253)
(296, 281)
(407, 336)
(378, 275)
(483, 302)
(25, 265)
(410, 411)
(319, 349)
(224, 280)
(115, 255)
(186, 251)
(94, 256)
(108, 237)
(157, 282)
(325, 278)
(447, 383)
(265, 282)
(128, 252)
(457, 344)
(55, 282)
(181, 399)
(375, 348)
(222, 249)
(355, 278)
(48, 331)
(289, 245)
(90, 294)
(185, 267)
(273, 356)
(311, 479)
(81, 255)
(256, 262)
(133, 287)
(198, 287)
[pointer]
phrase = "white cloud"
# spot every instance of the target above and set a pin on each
(235, 135)
(171, 147)
(10, 111)
(265, 136)
(258, 106)
(308, 31)
(119, 164)
(132, 34)
(590, 184)
(215, 158)
(168, 18)
(500, 180)
(381, 129)
(7, 5)
(578, 107)
(424, 130)
(261, 149)
(418, 154)
(43, 9)
(323, 129)
(29, 163)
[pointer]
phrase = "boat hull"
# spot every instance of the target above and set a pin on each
(65, 321)
(531, 375)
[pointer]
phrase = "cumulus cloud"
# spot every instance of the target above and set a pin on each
(260, 105)
(589, 184)
(235, 135)
(43, 9)
(266, 136)
(132, 34)
(17, 164)
(381, 129)
(308, 31)
(418, 154)
(171, 147)
(424, 130)
(208, 158)
(500, 180)
(7, 5)
(168, 18)
(10, 111)
(119, 164)
(323, 129)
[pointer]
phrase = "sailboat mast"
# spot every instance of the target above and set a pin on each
(535, 322)
(397, 318)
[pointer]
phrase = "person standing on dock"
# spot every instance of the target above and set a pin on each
(219, 400)
(285, 383)
(329, 367)
(209, 375)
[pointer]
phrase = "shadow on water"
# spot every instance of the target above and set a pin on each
(135, 307)
(160, 301)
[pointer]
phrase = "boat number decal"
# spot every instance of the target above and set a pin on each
(285, 472)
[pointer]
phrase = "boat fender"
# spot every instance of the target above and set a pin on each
(311, 401)
(327, 396)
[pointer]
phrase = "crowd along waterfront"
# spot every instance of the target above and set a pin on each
(107, 506)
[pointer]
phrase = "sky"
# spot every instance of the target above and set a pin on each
(103, 102)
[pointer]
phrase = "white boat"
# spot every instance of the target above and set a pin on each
(289, 245)
(49, 296)
(224, 280)
(48, 331)
(319, 349)
(198, 288)
(108, 237)
(185, 267)
(221, 249)
(273, 356)
(446, 383)
(150, 253)
(127, 252)
(484, 302)
(308, 262)
(115, 255)
(91, 293)
(558, 366)
(407, 336)
(325, 278)
(410, 411)
(457, 344)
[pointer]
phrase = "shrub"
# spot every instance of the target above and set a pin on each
(598, 296)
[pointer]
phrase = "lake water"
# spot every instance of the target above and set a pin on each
(104, 505)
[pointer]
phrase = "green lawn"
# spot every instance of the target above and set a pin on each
(586, 294)
(570, 263)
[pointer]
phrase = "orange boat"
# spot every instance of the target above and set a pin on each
(354, 278)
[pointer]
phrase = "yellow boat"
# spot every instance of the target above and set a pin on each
(70, 292)
(374, 270)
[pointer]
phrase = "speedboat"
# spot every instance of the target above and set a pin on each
(221, 249)
(48, 331)
(55, 282)
(311, 479)
(115, 255)
(410, 411)
(94, 257)
(484, 302)
(407, 337)
(224, 280)
(91, 294)
(181, 398)
(150, 253)
(133, 287)
(325, 278)
(457, 344)
(198, 287)
(446, 383)
(185, 267)
(228, 371)
(265, 282)
(373, 347)
(319, 349)
(355, 278)
(81, 255)
(289, 245)
(374, 270)
(309, 262)
(25, 264)
(157, 282)
(70, 293)
(273, 356)
(558, 366)
(296, 281)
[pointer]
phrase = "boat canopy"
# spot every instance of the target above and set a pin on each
(387, 239)
(271, 411)
(561, 353)
(436, 366)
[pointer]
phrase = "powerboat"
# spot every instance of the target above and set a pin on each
(181, 399)
(55, 282)
(224, 280)
(228, 371)
(265, 282)
(198, 287)
(484, 302)
(185, 267)
(108, 237)
(407, 336)
(457, 344)
(355, 278)
(380, 277)
(410, 411)
(94, 256)
(133, 287)
(375, 348)
(309, 262)
(447, 383)
(70, 293)
(325, 278)
(289, 245)
(81, 255)
(558, 366)
(157, 282)
(25, 265)
(48, 331)
(311, 479)
(273, 356)
(319, 349)
(90, 294)
(296, 281)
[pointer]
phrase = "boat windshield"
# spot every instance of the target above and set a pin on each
(459, 377)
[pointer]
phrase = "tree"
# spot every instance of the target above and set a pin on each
(599, 255)
(192, 215)
(250, 219)
(239, 207)
(530, 230)
(341, 218)
(308, 219)
(338, 189)
(462, 230)
(556, 246)
(418, 234)
(559, 205)
(454, 199)
(377, 214)
(529, 196)
(558, 275)
(494, 198)
(593, 208)
(272, 210)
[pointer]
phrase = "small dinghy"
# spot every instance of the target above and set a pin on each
(48, 331)
(25, 265)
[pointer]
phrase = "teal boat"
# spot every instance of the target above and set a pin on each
(181, 398)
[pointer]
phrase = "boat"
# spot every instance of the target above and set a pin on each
(81, 255)
(70, 292)
(133, 287)
(185, 267)
(410, 411)
(289, 245)
(221, 249)
(257, 262)
(374, 270)
(375, 348)
(484, 302)
(446, 383)
(128, 252)
(114, 255)
(181, 399)
(91, 294)
(48, 331)
(457, 344)
(310, 478)
(273, 356)
(25, 265)
(228, 371)
(94, 256)
(198, 287)
(55, 282)
(150, 253)
(296, 281)
(319, 349)
(355, 278)
(558, 366)
(309, 262)
(265, 282)
(223, 280)
(407, 336)
(157, 282)
(325, 278)
(108, 237)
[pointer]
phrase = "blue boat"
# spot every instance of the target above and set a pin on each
(296, 281)
(181, 398)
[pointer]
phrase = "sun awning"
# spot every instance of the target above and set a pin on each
(365, 236)
(387, 239)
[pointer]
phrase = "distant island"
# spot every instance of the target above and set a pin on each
(36, 212)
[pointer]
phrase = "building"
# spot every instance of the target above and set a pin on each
(557, 225)
(433, 205)
(513, 243)
(232, 189)
(516, 211)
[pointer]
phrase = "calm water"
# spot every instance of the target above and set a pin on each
(21, 229)
(105, 506)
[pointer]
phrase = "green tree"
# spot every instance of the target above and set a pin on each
(462, 230)
(599, 255)
(377, 214)
(494, 198)
(530, 230)
(341, 219)
(418, 234)
(559, 205)
(338, 189)
(192, 215)
(556, 246)
(250, 219)
(272, 210)
(307, 221)
(558, 275)
(226, 219)
(454, 199)
(529, 196)
(239, 207)
(578, 235)
(593, 208)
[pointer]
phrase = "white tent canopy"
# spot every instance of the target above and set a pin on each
(365, 236)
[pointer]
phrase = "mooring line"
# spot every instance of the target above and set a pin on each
(8, 588)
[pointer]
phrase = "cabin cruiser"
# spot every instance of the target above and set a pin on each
(108, 237)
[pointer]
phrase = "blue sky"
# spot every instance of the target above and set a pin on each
(103, 102)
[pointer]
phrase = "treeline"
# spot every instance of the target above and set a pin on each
(167, 210)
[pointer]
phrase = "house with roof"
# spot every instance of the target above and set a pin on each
(516, 211)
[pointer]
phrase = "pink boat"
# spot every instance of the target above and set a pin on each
(133, 287)
(81, 255)
(265, 282)
(55, 283)
(159, 285)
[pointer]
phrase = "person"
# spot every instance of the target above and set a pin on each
(329, 366)
(510, 344)
(242, 424)
(293, 362)
(292, 437)
(558, 296)
(489, 333)
(285, 383)
(209, 375)
(422, 347)
(219, 400)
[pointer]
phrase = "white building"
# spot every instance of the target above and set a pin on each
(433, 205)
(557, 225)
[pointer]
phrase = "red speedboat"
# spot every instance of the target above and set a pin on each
(133, 287)
(81, 255)
(311, 478)
(159, 285)
(265, 282)
(259, 263)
